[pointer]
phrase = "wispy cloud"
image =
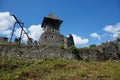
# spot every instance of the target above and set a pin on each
(18, 32)
(116, 35)
(79, 40)
(6, 21)
(6, 32)
(104, 35)
(113, 29)
(35, 31)
(95, 35)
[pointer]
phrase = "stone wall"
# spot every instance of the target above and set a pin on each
(35, 52)
(111, 51)
(68, 41)
(3, 40)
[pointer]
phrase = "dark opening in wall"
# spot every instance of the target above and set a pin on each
(52, 37)
(45, 37)
(53, 31)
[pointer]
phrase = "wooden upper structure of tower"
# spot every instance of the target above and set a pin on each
(51, 20)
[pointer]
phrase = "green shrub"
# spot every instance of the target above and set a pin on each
(93, 46)
(82, 73)
(61, 46)
(118, 40)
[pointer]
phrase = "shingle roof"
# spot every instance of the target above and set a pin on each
(52, 16)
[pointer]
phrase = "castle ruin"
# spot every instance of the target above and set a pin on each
(49, 42)
(51, 35)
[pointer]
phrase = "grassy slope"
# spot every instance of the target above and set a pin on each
(58, 69)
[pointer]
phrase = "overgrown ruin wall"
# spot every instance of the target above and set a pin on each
(111, 51)
(35, 52)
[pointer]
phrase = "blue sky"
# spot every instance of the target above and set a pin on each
(90, 21)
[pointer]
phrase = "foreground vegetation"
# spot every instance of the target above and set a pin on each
(58, 69)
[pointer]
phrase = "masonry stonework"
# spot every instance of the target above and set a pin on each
(51, 35)
(3, 40)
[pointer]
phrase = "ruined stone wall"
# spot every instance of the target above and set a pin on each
(68, 41)
(111, 51)
(3, 40)
(35, 52)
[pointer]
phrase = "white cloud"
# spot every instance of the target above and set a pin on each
(109, 29)
(6, 21)
(6, 32)
(79, 41)
(35, 31)
(18, 32)
(114, 29)
(116, 35)
(105, 34)
(95, 35)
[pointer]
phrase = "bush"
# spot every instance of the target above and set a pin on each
(118, 39)
(92, 46)
(61, 46)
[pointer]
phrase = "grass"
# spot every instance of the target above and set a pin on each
(57, 69)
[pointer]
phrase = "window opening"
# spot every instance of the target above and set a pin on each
(52, 37)
(53, 31)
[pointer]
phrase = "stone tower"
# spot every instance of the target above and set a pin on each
(51, 35)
